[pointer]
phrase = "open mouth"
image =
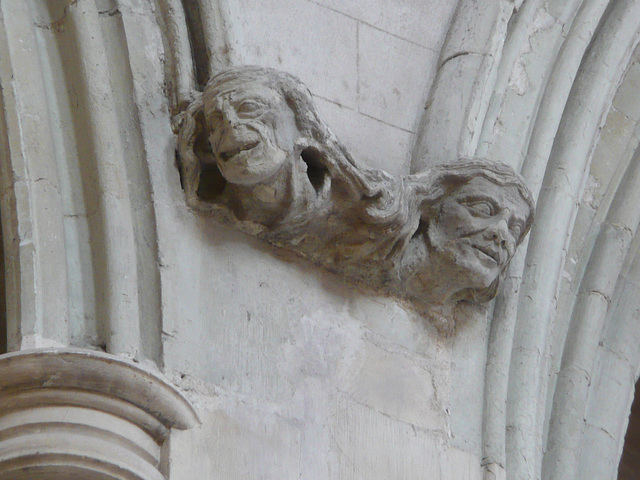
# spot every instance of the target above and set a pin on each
(229, 154)
(489, 253)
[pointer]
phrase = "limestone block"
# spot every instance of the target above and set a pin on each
(446, 112)
(615, 138)
(613, 381)
(472, 28)
(468, 377)
(394, 384)
(605, 462)
(376, 143)
(626, 99)
(395, 93)
(460, 465)
(286, 310)
(371, 445)
(389, 321)
(237, 445)
(493, 471)
(424, 22)
(279, 33)
(82, 414)
(620, 341)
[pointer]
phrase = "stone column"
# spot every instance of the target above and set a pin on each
(76, 414)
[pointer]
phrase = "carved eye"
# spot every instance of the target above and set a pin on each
(249, 107)
(480, 208)
(516, 229)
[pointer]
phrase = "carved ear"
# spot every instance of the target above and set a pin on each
(201, 179)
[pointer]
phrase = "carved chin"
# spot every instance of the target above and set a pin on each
(469, 266)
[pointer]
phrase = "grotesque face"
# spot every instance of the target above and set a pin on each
(476, 230)
(253, 130)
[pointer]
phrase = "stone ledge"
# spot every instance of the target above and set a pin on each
(81, 414)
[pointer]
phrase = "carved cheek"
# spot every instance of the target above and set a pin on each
(466, 223)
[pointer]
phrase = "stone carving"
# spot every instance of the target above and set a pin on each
(473, 215)
(254, 152)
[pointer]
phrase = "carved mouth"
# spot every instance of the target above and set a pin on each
(488, 252)
(229, 154)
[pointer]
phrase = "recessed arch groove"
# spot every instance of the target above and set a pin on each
(470, 75)
(605, 266)
(580, 19)
(37, 272)
(103, 170)
(616, 369)
(564, 180)
(117, 31)
(517, 34)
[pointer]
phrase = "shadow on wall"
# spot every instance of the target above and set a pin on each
(630, 462)
(3, 303)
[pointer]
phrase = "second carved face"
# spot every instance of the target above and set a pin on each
(478, 227)
(252, 130)
(467, 238)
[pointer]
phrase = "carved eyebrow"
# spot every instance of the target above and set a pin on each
(471, 198)
(244, 96)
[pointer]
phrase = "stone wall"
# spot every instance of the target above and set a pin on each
(296, 372)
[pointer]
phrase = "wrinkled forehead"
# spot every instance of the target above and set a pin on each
(245, 86)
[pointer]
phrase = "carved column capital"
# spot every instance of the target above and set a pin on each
(76, 414)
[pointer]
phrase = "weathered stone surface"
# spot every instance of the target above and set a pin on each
(300, 373)
(408, 68)
(254, 151)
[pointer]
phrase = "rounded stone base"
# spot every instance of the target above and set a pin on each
(71, 414)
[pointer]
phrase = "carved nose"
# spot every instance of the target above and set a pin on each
(229, 115)
(499, 233)
(497, 238)
(231, 120)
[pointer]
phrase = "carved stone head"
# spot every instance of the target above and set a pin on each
(252, 127)
(253, 149)
(473, 216)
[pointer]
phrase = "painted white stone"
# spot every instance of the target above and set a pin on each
(394, 384)
(288, 365)
(391, 73)
(242, 444)
(626, 100)
(375, 143)
(424, 22)
(371, 445)
(277, 33)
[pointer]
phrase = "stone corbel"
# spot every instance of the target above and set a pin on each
(76, 414)
(254, 153)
